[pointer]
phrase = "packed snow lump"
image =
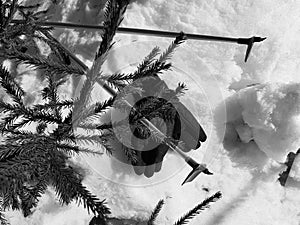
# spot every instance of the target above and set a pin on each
(263, 121)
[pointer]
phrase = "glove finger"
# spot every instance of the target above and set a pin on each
(189, 141)
(149, 170)
(154, 156)
(158, 166)
(192, 133)
(139, 170)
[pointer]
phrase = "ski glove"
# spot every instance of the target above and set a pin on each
(162, 108)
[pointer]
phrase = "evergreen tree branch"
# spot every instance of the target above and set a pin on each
(69, 187)
(146, 68)
(12, 10)
(3, 220)
(199, 208)
(10, 86)
(131, 154)
(69, 149)
(42, 64)
(170, 50)
(102, 106)
(148, 59)
(59, 50)
(114, 12)
(29, 196)
(92, 112)
(122, 78)
(60, 105)
(155, 212)
(153, 70)
(6, 107)
(21, 170)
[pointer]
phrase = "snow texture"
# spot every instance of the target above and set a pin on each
(250, 129)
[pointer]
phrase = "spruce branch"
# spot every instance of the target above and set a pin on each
(105, 126)
(69, 187)
(3, 221)
(6, 107)
(155, 212)
(91, 112)
(131, 155)
(148, 67)
(21, 170)
(60, 105)
(6, 17)
(11, 87)
(170, 50)
(119, 80)
(42, 64)
(114, 12)
(198, 209)
(30, 194)
(153, 70)
(102, 106)
(59, 50)
(148, 59)
(71, 149)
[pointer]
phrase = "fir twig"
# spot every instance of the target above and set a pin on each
(155, 212)
(43, 64)
(69, 149)
(118, 80)
(131, 155)
(29, 196)
(197, 209)
(3, 220)
(69, 187)
(170, 50)
(11, 87)
(114, 12)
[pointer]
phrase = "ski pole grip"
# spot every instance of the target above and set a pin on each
(249, 41)
(243, 41)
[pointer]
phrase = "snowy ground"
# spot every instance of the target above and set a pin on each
(245, 171)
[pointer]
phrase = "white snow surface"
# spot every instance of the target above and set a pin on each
(259, 124)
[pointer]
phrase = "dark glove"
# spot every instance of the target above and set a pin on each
(173, 119)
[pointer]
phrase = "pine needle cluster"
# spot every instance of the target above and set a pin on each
(38, 140)
(189, 215)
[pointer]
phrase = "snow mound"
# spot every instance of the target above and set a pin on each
(263, 119)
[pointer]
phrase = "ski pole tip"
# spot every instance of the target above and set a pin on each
(195, 172)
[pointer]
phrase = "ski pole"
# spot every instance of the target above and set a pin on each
(168, 34)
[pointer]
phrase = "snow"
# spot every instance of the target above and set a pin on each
(250, 129)
(267, 114)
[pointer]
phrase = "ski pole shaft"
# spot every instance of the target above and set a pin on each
(147, 32)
